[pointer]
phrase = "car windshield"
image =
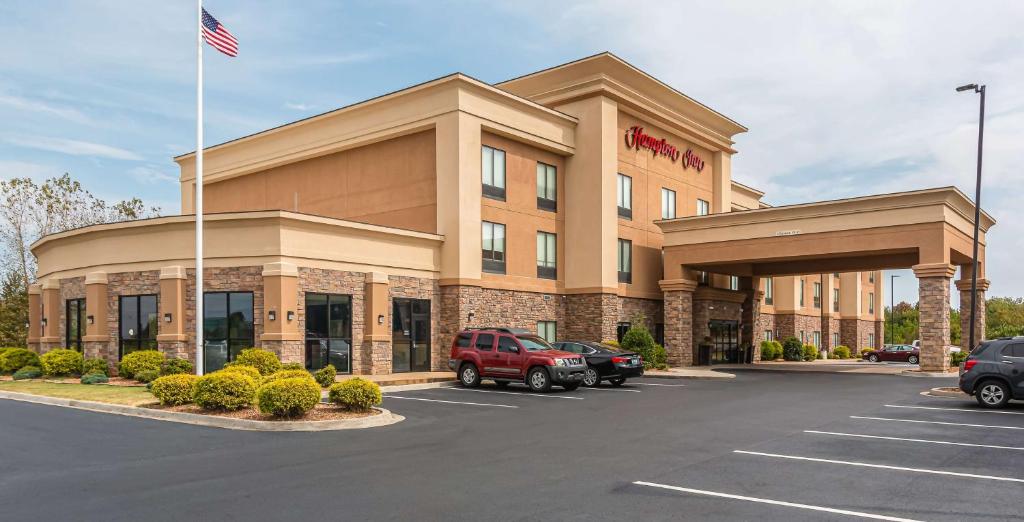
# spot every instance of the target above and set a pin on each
(533, 344)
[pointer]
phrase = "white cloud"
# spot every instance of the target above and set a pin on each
(298, 106)
(37, 106)
(153, 175)
(72, 147)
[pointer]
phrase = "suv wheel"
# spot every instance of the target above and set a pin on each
(873, 358)
(912, 359)
(469, 376)
(591, 378)
(538, 380)
(992, 394)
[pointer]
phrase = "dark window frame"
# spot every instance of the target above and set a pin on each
(544, 202)
(489, 263)
(139, 343)
(543, 270)
(817, 294)
(79, 314)
(769, 291)
(494, 191)
(308, 355)
(625, 269)
(228, 310)
(625, 195)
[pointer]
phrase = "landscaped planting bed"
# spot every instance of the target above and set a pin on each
(322, 412)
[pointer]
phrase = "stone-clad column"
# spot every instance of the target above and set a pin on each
(749, 318)
(964, 286)
(933, 303)
(53, 314)
(96, 341)
(172, 338)
(280, 312)
(678, 311)
(375, 356)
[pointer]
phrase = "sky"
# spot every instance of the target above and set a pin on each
(842, 98)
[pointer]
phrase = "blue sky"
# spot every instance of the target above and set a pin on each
(841, 98)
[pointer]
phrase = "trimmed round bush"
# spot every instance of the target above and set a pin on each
(292, 397)
(249, 371)
(175, 366)
(265, 361)
(225, 391)
(94, 378)
(810, 352)
(147, 376)
(28, 372)
(768, 352)
(638, 339)
(325, 376)
(175, 389)
(355, 394)
(288, 374)
(293, 366)
(792, 349)
(15, 359)
(59, 363)
(95, 366)
(842, 352)
(142, 360)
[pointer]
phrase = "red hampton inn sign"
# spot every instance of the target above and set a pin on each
(637, 139)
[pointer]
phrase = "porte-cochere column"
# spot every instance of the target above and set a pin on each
(933, 303)
(964, 286)
(678, 310)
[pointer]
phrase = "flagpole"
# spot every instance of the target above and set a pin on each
(200, 349)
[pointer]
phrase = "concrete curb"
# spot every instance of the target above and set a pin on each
(945, 392)
(919, 373)
(385, 418)
(708, 376)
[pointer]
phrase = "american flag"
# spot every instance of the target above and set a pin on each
(215, 34)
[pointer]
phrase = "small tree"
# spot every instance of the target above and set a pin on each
(792, 349)
(639, 340)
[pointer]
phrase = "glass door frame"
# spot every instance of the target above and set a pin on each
(308, 340)
(724, 350)
(403, 307)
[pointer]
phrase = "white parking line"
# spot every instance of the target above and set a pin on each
(656, 384)
(881, 466)
(950, 443)
(968, 410)
(775, 502)
(941, 423)
(450, 402)
(521, 394)
(608, 389)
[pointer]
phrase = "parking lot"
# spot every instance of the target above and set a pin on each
(766, 445)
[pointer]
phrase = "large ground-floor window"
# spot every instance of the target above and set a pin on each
(329, 331)
(138, 323)
(227, 327)
(74, 323)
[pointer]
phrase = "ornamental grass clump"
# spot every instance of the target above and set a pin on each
(292, 397)
(60, 363)
(140, 361)
(263, 360)
(175, 389)
(356, 394)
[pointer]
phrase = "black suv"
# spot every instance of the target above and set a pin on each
(994, 372)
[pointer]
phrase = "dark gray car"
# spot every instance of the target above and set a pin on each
(994, 372)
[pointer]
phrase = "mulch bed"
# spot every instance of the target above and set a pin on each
(322, 412)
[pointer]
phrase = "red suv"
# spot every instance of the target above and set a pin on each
(507, 355)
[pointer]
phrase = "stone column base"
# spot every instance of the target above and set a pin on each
(45, 346)
(177, 349)
(375, 357)
(101, 350)
(292, 351)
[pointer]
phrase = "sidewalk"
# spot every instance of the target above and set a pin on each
(835, 366)
(402, 379)
(689, 373)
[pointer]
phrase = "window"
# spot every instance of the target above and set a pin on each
(769, 292)
(802, 292)
(817, 339)
(659, 333)
(485, 342)
(546, 187)
(1013, 350)
(871, 277)
(817, 295)
(835, 299)
(227, 327)
(625, 195)
(493, 169)
(463, 339)
(493, 247)
(546, 258)
(703, 278)
(768, 335)
(507, 344)
(625, 261)
(734, 283)
(803, 337)
(871, 302)
(74, 323)
(138, 324)
(668, 204)
(835, 274)
(621, 329)
(835, 339)
(871, 340)
(703, 207)
(329, 331)
(546, 330)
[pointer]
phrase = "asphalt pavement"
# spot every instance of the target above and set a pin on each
(765, 445)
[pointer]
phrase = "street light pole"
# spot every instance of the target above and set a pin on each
(892, 309)
(977, 208)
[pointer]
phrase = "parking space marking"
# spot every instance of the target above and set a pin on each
(521, 394)
(881, 466)
(968, 410)
(774, 502)
(656, 384)
(450, 402)
(950, 443)
(938, 422)
(609, 389)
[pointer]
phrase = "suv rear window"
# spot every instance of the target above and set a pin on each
(485, 342)
(463, 340)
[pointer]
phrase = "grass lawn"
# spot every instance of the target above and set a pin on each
(130, 395)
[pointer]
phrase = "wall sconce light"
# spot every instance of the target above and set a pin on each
(167, 317)
(471, 316)
(44, 322)
(90, 319)
(272, 315)
(291, 315)
(380, 319)
(28, 325)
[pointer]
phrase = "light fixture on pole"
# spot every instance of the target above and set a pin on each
(977, 208)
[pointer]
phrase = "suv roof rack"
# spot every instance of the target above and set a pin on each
(513, 331)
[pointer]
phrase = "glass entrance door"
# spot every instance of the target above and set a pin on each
(410, 335)
(725, 342)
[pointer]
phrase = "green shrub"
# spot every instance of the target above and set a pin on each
(142, 360)
(249, 371)
(792, 349)
(225, 391)
(175, 366)
(770, 350)
(94, 378)
(293, 366)
(325, 376)
(865, 351)
(956, 358)
(28, 372)
(15, 359)
(613, 343)
(147, 376)
(288, 374)
(292, 397)
(175, 389)
(59, 363)
(841, 352)
(639, 340)
(263, 360)
(95, 366)
(810, 352)
(355, 394)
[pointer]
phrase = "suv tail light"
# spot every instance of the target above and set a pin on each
(969, 363)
